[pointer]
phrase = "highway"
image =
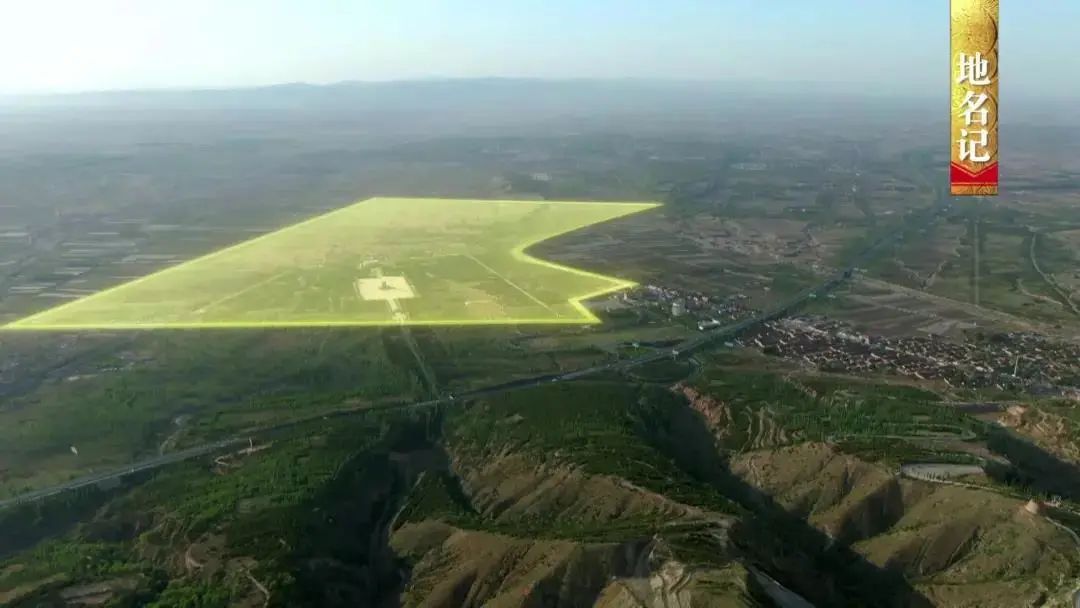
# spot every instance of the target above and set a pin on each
(142, 465)
(681, 350)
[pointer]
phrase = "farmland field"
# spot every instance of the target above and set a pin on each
(384, 261)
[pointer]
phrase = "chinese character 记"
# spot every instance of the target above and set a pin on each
(974, 69)
(973, 108)
(974, 149)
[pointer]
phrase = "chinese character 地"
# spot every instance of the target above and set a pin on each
(974, 149)
(974, 70)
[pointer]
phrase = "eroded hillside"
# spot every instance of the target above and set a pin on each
(730, 488)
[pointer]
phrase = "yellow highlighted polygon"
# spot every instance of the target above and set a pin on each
(383, 261)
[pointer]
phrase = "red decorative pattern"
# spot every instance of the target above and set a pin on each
(987, 176)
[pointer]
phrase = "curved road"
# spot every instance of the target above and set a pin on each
(683, 349)
(941, 473)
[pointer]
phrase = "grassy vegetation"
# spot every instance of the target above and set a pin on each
(73, 560)
(438, 497)
(787, 281)
(1000, 241)
(824, 386)
(191, 388)
(874, 419)
(601, 427)
(1068, 409)
(260, 504)
(270, 482)
(900, 451)
(314, 496)
(192, 595)
(917, 260)
(664, 371)
(447, 261)
(465, 358)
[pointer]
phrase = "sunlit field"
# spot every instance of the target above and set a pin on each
(383, 261)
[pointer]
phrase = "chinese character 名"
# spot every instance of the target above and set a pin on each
(975, 70)
(974, 149)
(973, 108)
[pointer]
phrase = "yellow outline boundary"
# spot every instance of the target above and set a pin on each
(518, 253)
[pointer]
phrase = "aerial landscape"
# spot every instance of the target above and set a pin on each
(378, 262)
(533, 342)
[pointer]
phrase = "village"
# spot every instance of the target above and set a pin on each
(706, 311)
(1021, 362)
(1012, 362)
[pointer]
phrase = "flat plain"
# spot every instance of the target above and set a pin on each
(383, 261)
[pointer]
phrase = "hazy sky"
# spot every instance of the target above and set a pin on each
(75, 45)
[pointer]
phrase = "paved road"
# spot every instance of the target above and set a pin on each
(143, 465)
(781, 595)
(680, 350)
(940, 473)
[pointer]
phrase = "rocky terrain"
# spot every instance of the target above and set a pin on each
(714, 492)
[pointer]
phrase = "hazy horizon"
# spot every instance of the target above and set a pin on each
(821, 85)
(123, 45)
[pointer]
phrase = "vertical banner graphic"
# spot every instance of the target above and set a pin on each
(973, 169)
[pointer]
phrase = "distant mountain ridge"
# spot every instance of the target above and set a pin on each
(659, 93)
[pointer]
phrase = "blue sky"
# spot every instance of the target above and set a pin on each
(76, 45)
